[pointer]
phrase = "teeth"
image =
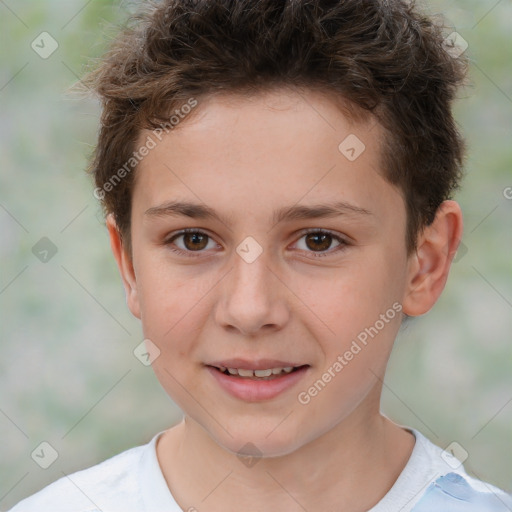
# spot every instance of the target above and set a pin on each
(256, 373)
(262, 373)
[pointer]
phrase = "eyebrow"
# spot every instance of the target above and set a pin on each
(287, 213)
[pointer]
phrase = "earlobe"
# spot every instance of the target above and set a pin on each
(429, 266)
(125, 265)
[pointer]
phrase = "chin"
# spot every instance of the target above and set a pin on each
(254, 441)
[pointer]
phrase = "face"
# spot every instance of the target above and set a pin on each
(294, 257)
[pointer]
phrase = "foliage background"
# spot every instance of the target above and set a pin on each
(67, 372)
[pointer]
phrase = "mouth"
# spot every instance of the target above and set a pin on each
(258, 380)
(263, 374)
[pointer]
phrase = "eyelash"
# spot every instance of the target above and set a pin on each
(343, 243)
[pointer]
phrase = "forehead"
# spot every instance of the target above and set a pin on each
(268, 149)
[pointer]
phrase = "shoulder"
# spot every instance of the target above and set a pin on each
(451, 488)
(110, 485)
(456, 492)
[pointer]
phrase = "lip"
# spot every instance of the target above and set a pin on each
(260, 364)
(251, 390)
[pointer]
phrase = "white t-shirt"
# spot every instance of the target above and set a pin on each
(133, 482)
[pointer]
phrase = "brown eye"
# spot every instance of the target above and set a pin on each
(321, 243)
(190, 241)
(318, 241)
(195, 241)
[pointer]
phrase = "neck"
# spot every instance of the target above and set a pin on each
(331, 472)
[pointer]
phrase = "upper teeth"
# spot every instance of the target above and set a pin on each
(256, 373)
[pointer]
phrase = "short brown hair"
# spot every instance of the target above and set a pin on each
(383, 57)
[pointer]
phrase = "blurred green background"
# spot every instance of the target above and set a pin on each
(68, 375)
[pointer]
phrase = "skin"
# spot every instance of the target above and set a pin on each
(246, 157)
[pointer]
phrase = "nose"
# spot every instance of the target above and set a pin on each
(252, 298)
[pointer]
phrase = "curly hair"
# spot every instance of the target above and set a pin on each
(383, 58)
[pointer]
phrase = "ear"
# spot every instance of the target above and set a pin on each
(428, 267)
(125, 265)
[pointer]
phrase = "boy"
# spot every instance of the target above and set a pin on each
(277, 179)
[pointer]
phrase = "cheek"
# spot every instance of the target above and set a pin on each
(175, 308)
(174, 326)
(357, 314)
(168, 297)
(345, 300)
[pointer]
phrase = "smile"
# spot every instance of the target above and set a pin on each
(251, 385)
(269, 373)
